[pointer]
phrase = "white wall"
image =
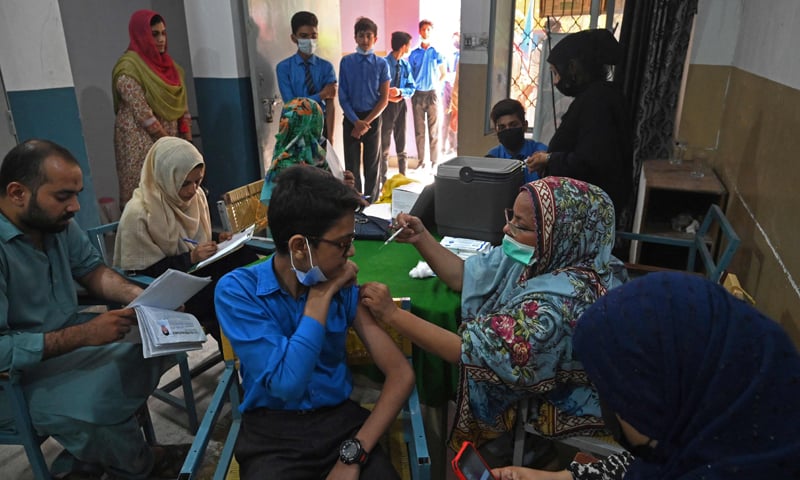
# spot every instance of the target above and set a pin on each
(768, 41)
(214, 31)
(43, 62)
(716, 32)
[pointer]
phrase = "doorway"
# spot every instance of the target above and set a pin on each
(268, 42)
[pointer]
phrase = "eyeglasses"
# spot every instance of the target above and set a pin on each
(344, 245)
(513, 227)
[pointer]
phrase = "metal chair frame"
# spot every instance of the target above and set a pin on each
(187, 402)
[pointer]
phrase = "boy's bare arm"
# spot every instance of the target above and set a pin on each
(398, 383)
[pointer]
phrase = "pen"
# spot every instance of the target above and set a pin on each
(190, 241)
(394, 235)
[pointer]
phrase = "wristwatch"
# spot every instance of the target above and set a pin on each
(351, 452)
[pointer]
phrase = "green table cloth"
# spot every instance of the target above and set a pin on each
(431, 299)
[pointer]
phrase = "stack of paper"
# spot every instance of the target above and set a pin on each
(465, 247)
(161, 329)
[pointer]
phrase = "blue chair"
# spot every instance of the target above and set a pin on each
(698, 245)
(227, 391)
(97, 236)
(21, 432)
(414, 446)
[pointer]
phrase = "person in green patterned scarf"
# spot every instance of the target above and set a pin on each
(297, 141)
(149, 98)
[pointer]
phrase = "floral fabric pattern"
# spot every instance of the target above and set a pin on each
(131, 139)
(518, 319)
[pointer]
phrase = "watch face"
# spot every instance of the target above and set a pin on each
(349, 449)
(351, 452)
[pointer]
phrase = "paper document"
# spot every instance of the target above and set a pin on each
(161, 329)
(170, 290)
(465, 247)
(228, 246)
(164, 332)
(380, 210)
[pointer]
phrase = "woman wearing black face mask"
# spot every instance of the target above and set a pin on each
(508, 117)
(593, 141)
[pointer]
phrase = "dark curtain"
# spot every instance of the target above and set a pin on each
(655, 39)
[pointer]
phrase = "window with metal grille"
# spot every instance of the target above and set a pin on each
(528, 78)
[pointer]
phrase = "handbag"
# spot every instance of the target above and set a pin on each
(371, 228)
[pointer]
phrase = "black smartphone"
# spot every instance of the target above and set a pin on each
(469, 465)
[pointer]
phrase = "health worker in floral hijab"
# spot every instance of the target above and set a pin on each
(519, 307)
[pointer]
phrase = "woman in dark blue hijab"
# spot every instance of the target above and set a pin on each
(711, 384)
(702, 384)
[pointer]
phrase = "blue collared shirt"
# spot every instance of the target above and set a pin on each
(291, 75)
(405, 80)
(528, 148)
(288, 361)
(360, 79)
(425, 67)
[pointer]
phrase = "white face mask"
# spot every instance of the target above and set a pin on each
(311, 277)
(307, 45)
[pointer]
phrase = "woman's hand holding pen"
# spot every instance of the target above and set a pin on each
(202, 251)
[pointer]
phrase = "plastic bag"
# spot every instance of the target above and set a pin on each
(333, 162)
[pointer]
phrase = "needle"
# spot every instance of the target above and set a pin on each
(394, 235)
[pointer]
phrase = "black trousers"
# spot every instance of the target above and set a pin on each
(393, 121)
(425, 105)
(291, 445)
(371, 141)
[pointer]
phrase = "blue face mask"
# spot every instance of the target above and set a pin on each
(518, 251)
(311, 277)
(363, 52)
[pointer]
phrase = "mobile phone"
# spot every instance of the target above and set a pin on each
(469, 465)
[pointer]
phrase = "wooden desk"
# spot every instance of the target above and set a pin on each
(666, 190)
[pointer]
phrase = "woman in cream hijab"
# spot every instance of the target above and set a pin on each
(167, 224)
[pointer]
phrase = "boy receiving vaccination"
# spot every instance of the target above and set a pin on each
(363, 94)
(287, 320)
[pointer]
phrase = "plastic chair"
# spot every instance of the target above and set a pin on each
(21, 432)
(699, 244)
(410, 418)
(97, 236)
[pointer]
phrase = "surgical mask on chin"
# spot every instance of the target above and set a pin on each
(363, 52)
(307, 45)
(512, 138)
(311, 277)
(520, 252)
